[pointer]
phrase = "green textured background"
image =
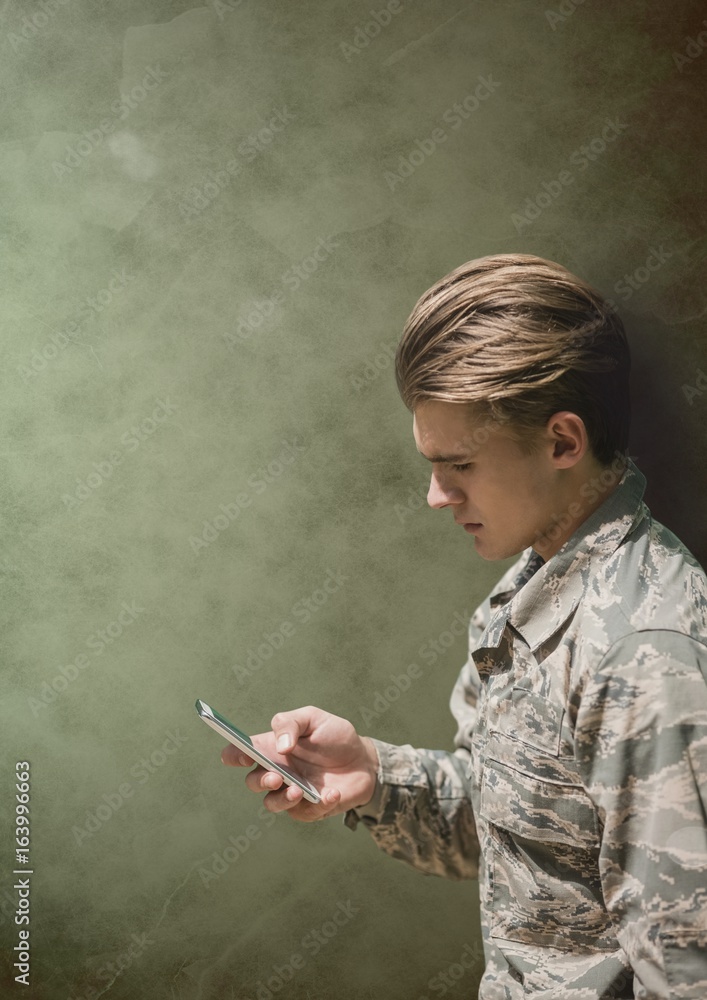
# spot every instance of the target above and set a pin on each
(314, 372)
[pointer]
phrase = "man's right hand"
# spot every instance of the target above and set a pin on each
(321, 747)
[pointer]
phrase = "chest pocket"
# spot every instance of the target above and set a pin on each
(541, 832)
(530, 783)
(532, 719)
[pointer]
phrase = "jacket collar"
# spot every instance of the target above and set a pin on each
(544, 594)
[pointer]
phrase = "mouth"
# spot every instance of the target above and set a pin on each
(471, 526)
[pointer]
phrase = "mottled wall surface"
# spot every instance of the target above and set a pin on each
(215, 223)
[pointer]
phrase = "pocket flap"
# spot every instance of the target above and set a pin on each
(531, 718)
(538, 810)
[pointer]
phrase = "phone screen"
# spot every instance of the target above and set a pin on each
(240, 739)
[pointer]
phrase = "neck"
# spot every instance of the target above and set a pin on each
(586, 493)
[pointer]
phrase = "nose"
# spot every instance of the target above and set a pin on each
(441, 494)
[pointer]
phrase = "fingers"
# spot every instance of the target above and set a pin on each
(288, 727)
(262, 780)
(290, 798)
(234, 757)
(281, 796)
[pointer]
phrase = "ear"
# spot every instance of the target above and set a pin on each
(569, 437)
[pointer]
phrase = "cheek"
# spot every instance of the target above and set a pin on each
(515, 501)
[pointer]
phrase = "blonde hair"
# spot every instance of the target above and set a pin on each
(520, 338)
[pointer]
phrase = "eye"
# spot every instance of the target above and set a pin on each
(462, 468)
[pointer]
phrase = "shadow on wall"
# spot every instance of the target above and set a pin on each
(668, 437)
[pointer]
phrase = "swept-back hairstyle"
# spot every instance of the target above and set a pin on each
(520, 338)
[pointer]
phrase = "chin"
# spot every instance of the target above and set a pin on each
(491, 554)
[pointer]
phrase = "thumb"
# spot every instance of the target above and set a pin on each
(285, 741)
(289, 726)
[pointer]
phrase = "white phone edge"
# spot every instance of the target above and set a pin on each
(310, 793)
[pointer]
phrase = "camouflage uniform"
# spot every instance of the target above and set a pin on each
(577, 788)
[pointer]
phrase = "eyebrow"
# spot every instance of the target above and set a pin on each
(445, 458)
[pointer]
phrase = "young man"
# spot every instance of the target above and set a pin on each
(577, 788)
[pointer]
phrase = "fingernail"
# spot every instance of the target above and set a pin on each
(283, 742)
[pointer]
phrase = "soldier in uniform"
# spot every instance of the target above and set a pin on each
(576, 792)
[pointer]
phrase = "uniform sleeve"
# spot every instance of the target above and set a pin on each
(641, 743)
(421, 810)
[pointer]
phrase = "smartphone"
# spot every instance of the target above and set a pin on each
(241, 740)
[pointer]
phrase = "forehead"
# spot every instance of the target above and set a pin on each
(446, 431)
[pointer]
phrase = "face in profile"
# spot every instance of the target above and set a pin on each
(505, 499)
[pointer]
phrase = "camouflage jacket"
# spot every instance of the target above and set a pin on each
(577, 788)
